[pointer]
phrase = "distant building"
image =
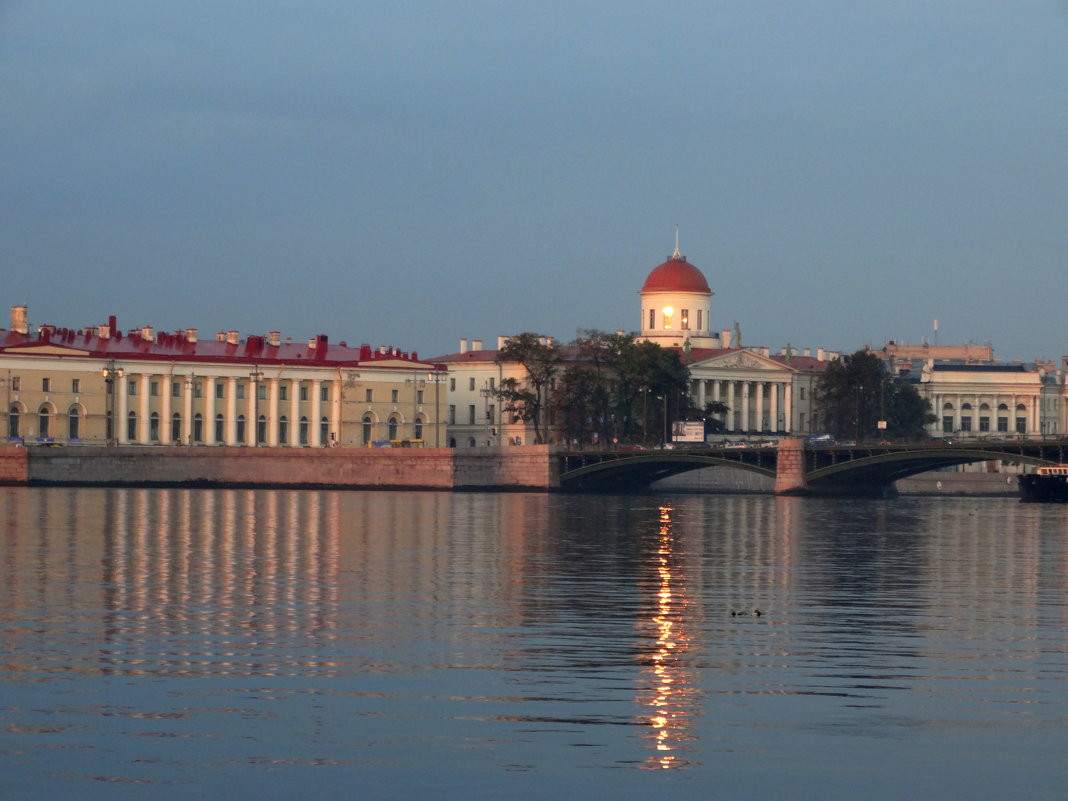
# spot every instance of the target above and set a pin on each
(143, 387)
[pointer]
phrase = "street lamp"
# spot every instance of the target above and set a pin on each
(487, 392)
(416, 383)
(110, 373)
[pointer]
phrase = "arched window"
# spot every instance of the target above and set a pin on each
(324, 432)
(419, 428)
(452, 442)
(471, 442)
(283, 430)
(304, 431)
(73, 419)
(176, 427)
(220, 429)
(394, 421)
(13, 422)
(153, 427)
(261, 429)
(368, 428)
(946, 406)
(198, 427)
(131, 427)
(43, 419)
(241, 429)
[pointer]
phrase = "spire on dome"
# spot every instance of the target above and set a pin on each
(677, 256)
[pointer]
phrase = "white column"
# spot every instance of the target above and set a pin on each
(231, 411)
(251, 407)
(316, 413)
(774, 399)
(187, 422)
(122, 387)
(335, 411)
(165, 412)
(957, 413)
(701, 395)
(294, 412)
(272, 412)
(759, 405)
(788, 406)
(732, 414)
(208, 428)
(746, 425)
(143, 431)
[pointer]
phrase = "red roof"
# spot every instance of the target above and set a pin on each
(676, 275)
(175, 347)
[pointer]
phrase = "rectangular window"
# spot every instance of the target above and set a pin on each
(198, 389)
(947, 424)
(685, 319)
(393, 395)
(153, 388)
(471, 384)
(419, 397)
(471, 414)
(452, 414)
(16, 383)
(131, 387)
(303, 393)
(176, 389)
(240, 391)
(75, 385)
(261, 391)
(1003, 424)
(46, 384)
(966, 424)
(652, 318)
(324, 393)
(369, 395)
(220, 391)
(492, 379)
(491, 412)
(699, 326)
(452, 385)
(283, 392)
(984, 423)
(1021, 425)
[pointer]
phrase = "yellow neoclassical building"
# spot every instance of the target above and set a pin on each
(102, 385)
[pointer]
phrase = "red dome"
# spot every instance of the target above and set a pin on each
(676, 275)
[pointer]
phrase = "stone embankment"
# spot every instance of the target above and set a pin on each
(527, 468)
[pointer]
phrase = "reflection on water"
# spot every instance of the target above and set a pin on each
(485, 635)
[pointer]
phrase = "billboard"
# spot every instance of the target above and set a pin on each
(685, 431)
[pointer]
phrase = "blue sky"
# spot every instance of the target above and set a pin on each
(411, 173)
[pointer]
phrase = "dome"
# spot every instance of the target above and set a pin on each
(676, 275)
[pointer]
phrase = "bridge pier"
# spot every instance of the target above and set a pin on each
(790, 468)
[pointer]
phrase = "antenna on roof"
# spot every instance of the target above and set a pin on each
(676, 254)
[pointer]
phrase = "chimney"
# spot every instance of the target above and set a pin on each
(501, 342)
(19, 322)
(725, 338)
(274, 338)
(146, 333)
(312, 342)
(103, 331)
(806, 352)
(190, 335)
(463, 345)
(231, 337)
(821, 354)
(765, 351)
(476, 344)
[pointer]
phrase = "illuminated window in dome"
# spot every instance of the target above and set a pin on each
(667, 312)
(652, 318)
(684, 319)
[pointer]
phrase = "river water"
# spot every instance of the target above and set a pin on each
(177, 644)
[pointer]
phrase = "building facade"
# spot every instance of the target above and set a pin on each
(101, 385)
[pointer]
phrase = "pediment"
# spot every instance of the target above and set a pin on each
(742, 360)
(46, 349)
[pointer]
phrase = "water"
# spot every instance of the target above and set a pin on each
(180, 644)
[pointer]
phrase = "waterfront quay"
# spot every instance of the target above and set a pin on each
(796, 469)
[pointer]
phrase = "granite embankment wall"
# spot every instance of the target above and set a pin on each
(415, 468)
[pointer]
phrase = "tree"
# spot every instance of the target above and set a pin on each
(526, 399)
(857, 391)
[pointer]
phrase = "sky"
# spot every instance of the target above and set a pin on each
(844, 173)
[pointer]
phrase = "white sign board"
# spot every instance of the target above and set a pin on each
(683, 431)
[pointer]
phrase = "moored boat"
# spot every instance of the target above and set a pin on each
(1046, 485)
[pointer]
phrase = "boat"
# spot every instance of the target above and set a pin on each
(1047, 484)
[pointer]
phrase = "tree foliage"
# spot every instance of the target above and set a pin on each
(856, 392)
(528, 398)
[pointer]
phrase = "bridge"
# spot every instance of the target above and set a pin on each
(863, 469)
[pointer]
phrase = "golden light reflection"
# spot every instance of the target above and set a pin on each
(669, 690)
